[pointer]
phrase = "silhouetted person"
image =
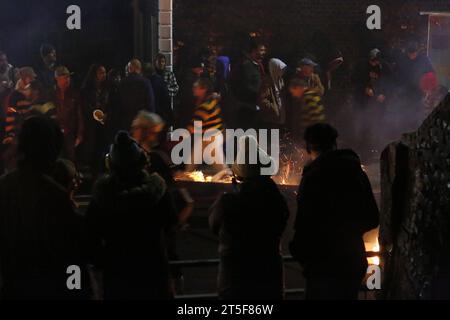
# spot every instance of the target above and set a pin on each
(336, 207)
(39, 230)
(163, 100)
(69, 112)
(185, 110)
(246, 85)
(250, 223)
(417, 79)
(136, 94)
(147, 130)
(48, 66)
(126, 219)
(95, 96)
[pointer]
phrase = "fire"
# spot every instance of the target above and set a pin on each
(198, 176)
(221, 177)
(374, 248)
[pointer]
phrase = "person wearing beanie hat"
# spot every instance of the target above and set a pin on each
(126, 220)
(335, 207)
(126, 156)
(147, 129)
(250, 223)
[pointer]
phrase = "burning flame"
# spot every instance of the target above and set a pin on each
(198, 176)
(375, 248)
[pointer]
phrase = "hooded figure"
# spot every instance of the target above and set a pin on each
(272, 94)
(250, 223)
(126, 223)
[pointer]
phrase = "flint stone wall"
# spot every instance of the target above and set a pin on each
(415, 211)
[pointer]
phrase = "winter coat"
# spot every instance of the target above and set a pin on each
(250, 224)
(69, 112)
(136, 94)
(336, 206)
(247, 83)
(126, 223)
(272, 100)
(40, 238)
(162, 98)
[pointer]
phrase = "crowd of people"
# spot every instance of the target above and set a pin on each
(117, 127)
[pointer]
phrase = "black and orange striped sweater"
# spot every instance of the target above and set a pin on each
(209, 113)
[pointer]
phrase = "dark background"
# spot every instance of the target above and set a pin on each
(111, 35)
(106, 35)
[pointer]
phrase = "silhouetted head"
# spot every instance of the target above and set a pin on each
(96, 76)
(134, 66)
(40, 143)
(126, 157)
(412, 50)
(320, 138)
(160, 62)
(48, 53)
(148, 70)
(258, 50)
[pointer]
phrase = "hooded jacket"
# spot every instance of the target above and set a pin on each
(250, 224)
(126, 221)
(272, 94)
(336, 206)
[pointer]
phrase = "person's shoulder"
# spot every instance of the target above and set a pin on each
(7, 178)
(228, 200)
(247, 63)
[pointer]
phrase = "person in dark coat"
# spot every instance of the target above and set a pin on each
(39, 230)
(372, 83)
(126, 220)
(69, 112)
(163, 104)
(336, 206)
(250, 223)
(147, 130)
(95, 96)
(48, 66)
(136, 94)
(417, 79)
(113, 116)
(246, 86)
(185, 109)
